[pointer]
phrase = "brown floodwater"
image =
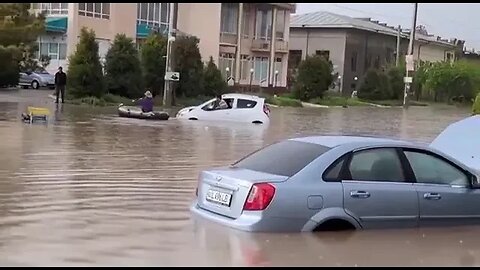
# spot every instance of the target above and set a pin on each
(90, 188)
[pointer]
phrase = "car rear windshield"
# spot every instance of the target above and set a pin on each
(285, 158)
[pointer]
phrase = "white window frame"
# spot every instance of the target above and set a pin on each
(226, 60)
(53, 56)
(282, 27)
(267, 14)
(246, 64)
(260, 63)
(160, 22)
(104, 13)
(51, 9)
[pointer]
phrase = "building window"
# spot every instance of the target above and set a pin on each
(229, 18)
(245, 66)
(263, 24)
(294, 58)
(280, 25)
(324, 54)
(55, 50)
(51, 8)
(246, 22)
(278, 71)
(226, 60)
(260, 66)
(155, 15)
(353, 62)
(96, 10)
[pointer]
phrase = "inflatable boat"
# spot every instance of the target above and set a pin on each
(136, 112)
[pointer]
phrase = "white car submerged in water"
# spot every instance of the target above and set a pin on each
(241, 108)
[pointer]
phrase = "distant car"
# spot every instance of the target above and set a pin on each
(241, 108)
(342, 182)
(37, 79)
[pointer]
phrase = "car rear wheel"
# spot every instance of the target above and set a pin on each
(335, 225)
(35, 85)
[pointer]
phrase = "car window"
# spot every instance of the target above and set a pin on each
(245, 104)
(433, 170)
(210, 106)
(284, 158)
(332, 173)
(381, 164)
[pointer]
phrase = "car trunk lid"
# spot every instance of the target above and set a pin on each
(225, 190)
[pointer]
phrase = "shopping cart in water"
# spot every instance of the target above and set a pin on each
(36, 113)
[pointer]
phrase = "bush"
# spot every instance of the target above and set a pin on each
(314, 76)
(188, 62)
(84, 75)
(9, 71)
(395, 80)
(153, 59)
(375, 86)
(123, 74)
(476, 105)
(213, 79)
(283, 101)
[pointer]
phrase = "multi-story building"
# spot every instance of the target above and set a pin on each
(237, 35)
(354, 45)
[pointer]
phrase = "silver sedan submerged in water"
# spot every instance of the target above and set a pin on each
(342, 182)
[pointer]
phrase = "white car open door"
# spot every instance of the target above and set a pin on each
(461, 140)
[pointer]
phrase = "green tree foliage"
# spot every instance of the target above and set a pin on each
(153, 54)
(19, 30)
(445, 80)
(122, 67)
(214, 83)
(9, 71)
(84, 75)
(375, 86)
(395, 80)
(188, 62)
(313, 78)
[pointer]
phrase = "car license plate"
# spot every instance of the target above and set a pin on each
(219, 197)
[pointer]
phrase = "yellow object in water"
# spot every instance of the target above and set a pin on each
(35, 111)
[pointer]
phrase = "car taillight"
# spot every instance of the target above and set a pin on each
(266, 110)
(260, 196)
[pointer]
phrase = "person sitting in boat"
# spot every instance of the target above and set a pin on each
(220, 103)
(146, 102)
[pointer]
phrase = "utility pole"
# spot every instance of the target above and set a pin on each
(399, 37)
(409, 58)
(172, 26)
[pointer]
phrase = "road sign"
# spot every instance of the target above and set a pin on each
(407, 79)
(409, 62)
(172, 76)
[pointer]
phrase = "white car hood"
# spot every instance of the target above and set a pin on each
(461, 140)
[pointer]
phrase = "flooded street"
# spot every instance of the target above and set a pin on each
(91, 188)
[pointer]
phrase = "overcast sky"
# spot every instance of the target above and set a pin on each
(461, 21)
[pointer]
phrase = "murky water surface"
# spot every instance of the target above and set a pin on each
(90, 188)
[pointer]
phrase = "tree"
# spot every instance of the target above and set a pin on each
(375, 86)
(19, 30)
(395, 80)
(84, 75)
(188, 61)
(123, 72)
(214, 83)
(313, 78)
(153, 53)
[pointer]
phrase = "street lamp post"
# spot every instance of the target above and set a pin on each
(227, 69)
(251, 78)
(339, 83)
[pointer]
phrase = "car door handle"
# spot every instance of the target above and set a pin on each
(432, 196)
(359, 194)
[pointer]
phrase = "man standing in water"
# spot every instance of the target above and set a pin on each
(60, 82)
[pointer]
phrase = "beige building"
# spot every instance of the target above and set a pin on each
(238, 36)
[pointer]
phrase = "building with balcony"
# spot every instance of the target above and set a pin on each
(238, 36)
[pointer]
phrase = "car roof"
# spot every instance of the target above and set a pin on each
(243, 96)
(352, 141)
